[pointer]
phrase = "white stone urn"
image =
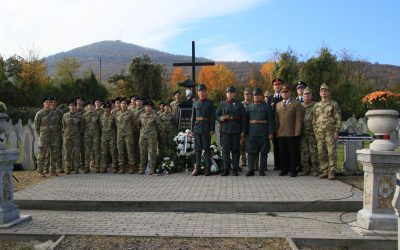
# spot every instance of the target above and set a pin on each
(382, 122)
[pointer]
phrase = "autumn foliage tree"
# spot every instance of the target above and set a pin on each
(266, 72)
(177, 76)
(217, 78)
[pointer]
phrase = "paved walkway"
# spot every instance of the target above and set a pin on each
(182, 187)
(189, 224)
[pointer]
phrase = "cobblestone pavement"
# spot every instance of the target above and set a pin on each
(189, 224)
(182, 187)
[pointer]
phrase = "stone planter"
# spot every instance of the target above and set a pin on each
(382, 122)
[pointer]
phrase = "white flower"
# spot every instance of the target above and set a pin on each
(171, 164)
(213, 168)
(166, 158)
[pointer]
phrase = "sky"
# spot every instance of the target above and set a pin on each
(224, 30)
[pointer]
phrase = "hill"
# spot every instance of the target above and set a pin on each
(116, 56)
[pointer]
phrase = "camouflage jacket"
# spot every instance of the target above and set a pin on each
(149, 124)
(167, 122)
(125, 122)
(43, 121)
(91, 123)
(175, 106)
(108, 126)
(327, 116)
(308, 117)
(72, 124)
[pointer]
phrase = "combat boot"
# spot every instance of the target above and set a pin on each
(196, 171)
(315, 173)
(46, 171)
(331, 175)
(131, 169)
(323, 176)
(262, 173)
(235, 172)
(53, 173)
(114, 170)
(225, 173)
(303, 173)
(61, 171)
(122, 170)
(97, 170)
(41, 175)
(250, 173)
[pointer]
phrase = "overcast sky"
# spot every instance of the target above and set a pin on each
(223, 29)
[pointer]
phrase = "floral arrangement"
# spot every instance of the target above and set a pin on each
(184, 143)
(166, 167)
(216, 159)
(381, 100)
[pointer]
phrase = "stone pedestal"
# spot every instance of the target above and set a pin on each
(350, 155)
(9, 211)
(380, 168)
(396, 205)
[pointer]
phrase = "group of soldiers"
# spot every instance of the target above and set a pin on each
(299, 128)
(126, 133)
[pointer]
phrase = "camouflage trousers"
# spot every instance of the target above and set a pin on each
(92, 149)
(309, 153)
(136, 147)
(326, 145)
(148, 152)
(108, 146)
(47, 144)
(125, 142)
(72, 149)
(55, 163)
(165, 140)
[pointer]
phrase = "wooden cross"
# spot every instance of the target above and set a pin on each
(193, 64)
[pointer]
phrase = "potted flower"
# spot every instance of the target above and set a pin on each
(382, 118)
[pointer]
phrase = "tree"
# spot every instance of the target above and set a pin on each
(217, 78)
(146, 77)
(287, 67)
(67, 69)
(177, 76)
(254, 78)
(320, 69)
(266, 72)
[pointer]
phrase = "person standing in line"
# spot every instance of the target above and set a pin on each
(273, 100)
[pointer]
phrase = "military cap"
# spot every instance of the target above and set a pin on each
(107, 104)
(78, 97)
(123, 99)
(247, 91)
(47, 98)
(177, 92)
(52, 98)
(230, 89)
(257, 91)
(300, 85)
(72, 102)
(89, 102)
(277, 80)
(139, 98)
(148, 103)
(307, 90)
(202, 87)
(119, 98)
(285, 88)
(324, 86)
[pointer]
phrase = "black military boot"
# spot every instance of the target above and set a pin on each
(250, 173)
(225, 173)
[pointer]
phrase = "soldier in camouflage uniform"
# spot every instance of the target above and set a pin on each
(260, 129)
(308, 144)
(149, 124)
(175, 104)
(73, 131)
(161, 106)
(80, 105)
(203, 126)
(56, 134)
(91, 126)
(136, 131)
(231, 115)
(44, 126)
(117, 103)
(97, 104)
(125, 126)
(327, 122)
(246, 103)
(108, 139)
(132, 105)
(166, 128)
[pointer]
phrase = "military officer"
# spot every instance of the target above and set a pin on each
(166, 128)
(91, 126)
(125, 126)
(327, 122)
(203, 126)
(247, 98)
(308, 145)
(108, 139)
(231, 115)
(288, 125)
(300, 86)
(73, 131)
(149, 123)
(260, 124)
(273, 100)
(43, 126)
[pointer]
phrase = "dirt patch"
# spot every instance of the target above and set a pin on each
(357, 181)
(123, 242)
(26, 179)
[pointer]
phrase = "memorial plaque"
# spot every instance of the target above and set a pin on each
(185, 115)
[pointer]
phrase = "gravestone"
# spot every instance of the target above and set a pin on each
(185, 115)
